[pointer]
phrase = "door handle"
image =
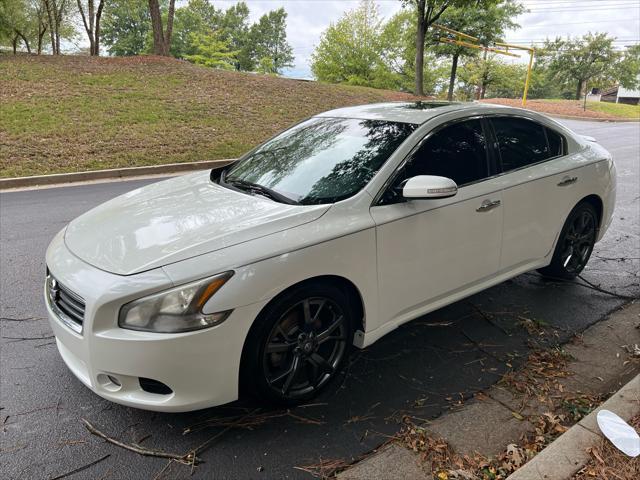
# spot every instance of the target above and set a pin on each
(567, 181)
(488, 205)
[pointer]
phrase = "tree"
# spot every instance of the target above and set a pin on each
(428, 12)
(399, 56)
(92, 24)
(497, 78)
(125, 27)
(486, 22)
(198, 17)
(269, 38)
(212, 51)
(350, 51)
(40, 17)
(235, 28)
(161, 36)
(629, 68)
(16, 23)
(58, 22)
(591, 58)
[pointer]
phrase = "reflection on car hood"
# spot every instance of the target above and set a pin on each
(176, 219)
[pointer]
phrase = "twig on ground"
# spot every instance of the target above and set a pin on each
(27, 319)
(20, 339)
(184, 459)
(249, 420)
(588, 285)
(161, 472)
(80, 469)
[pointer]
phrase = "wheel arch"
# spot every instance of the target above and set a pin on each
(597, 203)
(354, 296)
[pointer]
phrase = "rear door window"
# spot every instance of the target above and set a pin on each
(523, 142)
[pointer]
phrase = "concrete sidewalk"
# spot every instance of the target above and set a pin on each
(600, 364)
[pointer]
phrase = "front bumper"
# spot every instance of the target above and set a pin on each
(201, 368)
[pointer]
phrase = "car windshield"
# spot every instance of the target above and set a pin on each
(321, 160)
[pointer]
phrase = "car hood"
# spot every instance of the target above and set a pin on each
(176, 219)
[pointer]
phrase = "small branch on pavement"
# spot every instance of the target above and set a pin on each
(185, 459)
(27, 319)
(20, 339)
(588, 285)
(80, 469)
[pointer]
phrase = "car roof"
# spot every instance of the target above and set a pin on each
(409, 112)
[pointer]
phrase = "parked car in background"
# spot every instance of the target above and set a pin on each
(261, 275)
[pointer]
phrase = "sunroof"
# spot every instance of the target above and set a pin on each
(421, 105)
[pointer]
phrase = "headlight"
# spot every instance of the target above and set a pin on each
(175, 310)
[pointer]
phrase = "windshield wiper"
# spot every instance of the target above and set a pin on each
(261, 189)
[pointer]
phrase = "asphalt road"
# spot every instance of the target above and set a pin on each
(420, 370)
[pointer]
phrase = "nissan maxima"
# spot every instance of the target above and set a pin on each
(260, 276)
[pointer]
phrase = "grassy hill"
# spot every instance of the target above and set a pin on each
(71, 113)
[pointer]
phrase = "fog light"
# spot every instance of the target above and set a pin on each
(114, 380)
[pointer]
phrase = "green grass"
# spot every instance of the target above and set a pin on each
(72, 113)
(616, 109)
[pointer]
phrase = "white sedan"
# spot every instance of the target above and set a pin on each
(260, 276)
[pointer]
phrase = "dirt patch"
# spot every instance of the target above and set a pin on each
(571, 108)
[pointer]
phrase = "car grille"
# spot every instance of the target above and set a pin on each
(67, 305)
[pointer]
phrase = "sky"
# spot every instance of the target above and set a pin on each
(307, 19)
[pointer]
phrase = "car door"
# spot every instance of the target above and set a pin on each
(430, 249)
(537, 191)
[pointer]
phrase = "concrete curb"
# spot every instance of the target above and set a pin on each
(109, 174)
(568, 454)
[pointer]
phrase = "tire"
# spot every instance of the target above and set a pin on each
(575, 243)
(298, 344)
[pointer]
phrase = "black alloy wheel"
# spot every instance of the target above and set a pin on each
(299, 345)
(575, 243)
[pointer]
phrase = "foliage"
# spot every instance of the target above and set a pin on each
(235, 28)
(629, 68)
(126, 27)
(426, 13)
(485, 22)
(269, 39)
(399, 56)
(197, 18)
(576, 61)
(351, 50)
(212, 51)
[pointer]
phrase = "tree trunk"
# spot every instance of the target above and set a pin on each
(14, 43)
(169, 31)
(579, 90)
(158, 31)
(50, 16)
(421, 33)
(452, 78)
(24, 39)
(42, 29)
(96, 42)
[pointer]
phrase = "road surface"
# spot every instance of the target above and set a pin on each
(420, 370)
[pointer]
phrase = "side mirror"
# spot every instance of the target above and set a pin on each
(429, 186)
